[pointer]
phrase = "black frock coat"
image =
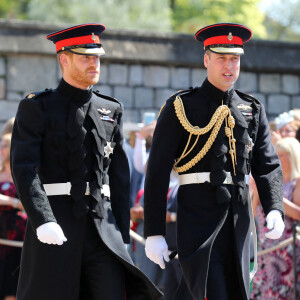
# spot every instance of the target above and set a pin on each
(59, 136)
(203, 208)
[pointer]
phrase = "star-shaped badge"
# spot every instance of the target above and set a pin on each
(108, 149)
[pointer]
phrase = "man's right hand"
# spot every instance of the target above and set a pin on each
(51, 233)
(156, 250)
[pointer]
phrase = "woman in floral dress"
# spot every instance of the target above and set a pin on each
(12, 224)
(275, 276)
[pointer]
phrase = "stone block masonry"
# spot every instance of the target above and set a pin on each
(142, 69)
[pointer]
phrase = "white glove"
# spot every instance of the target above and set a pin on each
(156, 250)
(51, 233)
(274, 222)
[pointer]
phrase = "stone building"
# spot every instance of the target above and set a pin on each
(143, 69)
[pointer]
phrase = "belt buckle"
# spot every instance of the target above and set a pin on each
(87, 191)
(228, 179)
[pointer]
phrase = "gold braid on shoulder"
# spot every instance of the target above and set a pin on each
(222, 112)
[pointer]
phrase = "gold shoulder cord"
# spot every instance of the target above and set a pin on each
(222, 112)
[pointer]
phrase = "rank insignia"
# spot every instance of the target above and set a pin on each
(108, 149)
(104, 111)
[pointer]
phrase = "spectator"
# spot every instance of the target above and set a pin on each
(130, 130)
(8, 126)
(287, 124)
(275, 277)
(142, 145)
(12, 224)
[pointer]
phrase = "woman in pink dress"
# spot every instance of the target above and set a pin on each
(275, 276)
(12, 224)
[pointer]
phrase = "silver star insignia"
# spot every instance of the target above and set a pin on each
(108, 149)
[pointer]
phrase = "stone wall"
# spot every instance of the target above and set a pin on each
(143, 69)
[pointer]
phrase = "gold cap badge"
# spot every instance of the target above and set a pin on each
(230, 37)
(93, 37)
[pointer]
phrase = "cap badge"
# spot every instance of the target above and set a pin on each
(230, 37)
(93, 37)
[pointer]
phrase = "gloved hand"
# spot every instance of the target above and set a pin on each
(51, 233)
(274, 222)
(156, 250)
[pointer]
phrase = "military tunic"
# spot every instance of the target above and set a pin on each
(66, 135)
(204, 208)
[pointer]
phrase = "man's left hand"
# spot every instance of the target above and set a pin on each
(275, 224)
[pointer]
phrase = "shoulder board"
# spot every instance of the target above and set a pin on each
(37, 94)
(178, 93)
(105, 97)
(182, 92)
(247, 97)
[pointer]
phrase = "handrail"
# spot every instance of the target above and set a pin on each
(141, 240)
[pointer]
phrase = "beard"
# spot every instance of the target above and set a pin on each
(83, 77)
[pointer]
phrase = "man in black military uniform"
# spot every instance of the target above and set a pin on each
(72, 176)
(213, 136)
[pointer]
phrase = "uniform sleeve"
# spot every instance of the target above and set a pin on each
(25, 160)
(166, 139)
(266, 168)
(119, 182)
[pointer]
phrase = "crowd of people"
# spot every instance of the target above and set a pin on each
(12, 219)
(278, 272)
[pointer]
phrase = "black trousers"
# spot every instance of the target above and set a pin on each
(102, 275)
(222, 280)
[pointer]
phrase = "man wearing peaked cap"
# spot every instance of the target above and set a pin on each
(72, 176)
(213, 136)
(224, 38)
(81, 39)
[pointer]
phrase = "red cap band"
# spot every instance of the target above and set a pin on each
(81, 40)
(223, 39)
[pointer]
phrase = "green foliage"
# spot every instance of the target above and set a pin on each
(280, 21)
(283, 20)
(191, 15)
(129, 14)
(13, 8)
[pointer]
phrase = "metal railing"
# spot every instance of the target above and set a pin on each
(142, 241)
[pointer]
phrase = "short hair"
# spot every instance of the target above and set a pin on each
(59, 55)
(208, 52)
(291, 146)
